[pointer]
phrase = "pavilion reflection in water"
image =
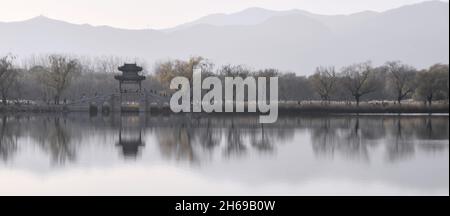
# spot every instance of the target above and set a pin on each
(130, 135)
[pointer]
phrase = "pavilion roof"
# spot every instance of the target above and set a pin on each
(130, 73)
(130, 68)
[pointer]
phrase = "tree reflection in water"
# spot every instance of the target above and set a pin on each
(196, 139)
(209, 137)
(177, 143)
(53, 136)
(401, 147)
(261, 139)
(353, 137)
(234, 143)
(8, 138)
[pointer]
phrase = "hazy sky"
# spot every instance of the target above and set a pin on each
(168, 13)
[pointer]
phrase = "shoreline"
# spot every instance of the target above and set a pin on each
(283, 109)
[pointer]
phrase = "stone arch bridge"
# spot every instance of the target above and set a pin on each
(114, 103)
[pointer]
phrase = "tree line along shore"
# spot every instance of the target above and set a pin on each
(45, 83)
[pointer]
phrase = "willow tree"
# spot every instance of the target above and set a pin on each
(166, 71)
(8, 77)
(58, 74)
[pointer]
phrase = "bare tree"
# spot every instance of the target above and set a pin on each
(108, 64)
(358, 80)
(324, 82)
(8, 77)
(401, 79)
(59, 74)
(268, 72)
(235, 71)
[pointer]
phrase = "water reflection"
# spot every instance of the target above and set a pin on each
(54, 137)
(130, 135)
(197, 139)
(176, 143)
(8, 139)
(354, 137)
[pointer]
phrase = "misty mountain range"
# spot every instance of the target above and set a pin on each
(294, 40)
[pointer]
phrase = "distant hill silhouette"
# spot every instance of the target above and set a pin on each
(294, 40)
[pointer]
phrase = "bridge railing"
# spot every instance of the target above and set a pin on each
(99, 98)
(148, 96)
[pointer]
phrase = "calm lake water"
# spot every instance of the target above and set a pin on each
(78, 154)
